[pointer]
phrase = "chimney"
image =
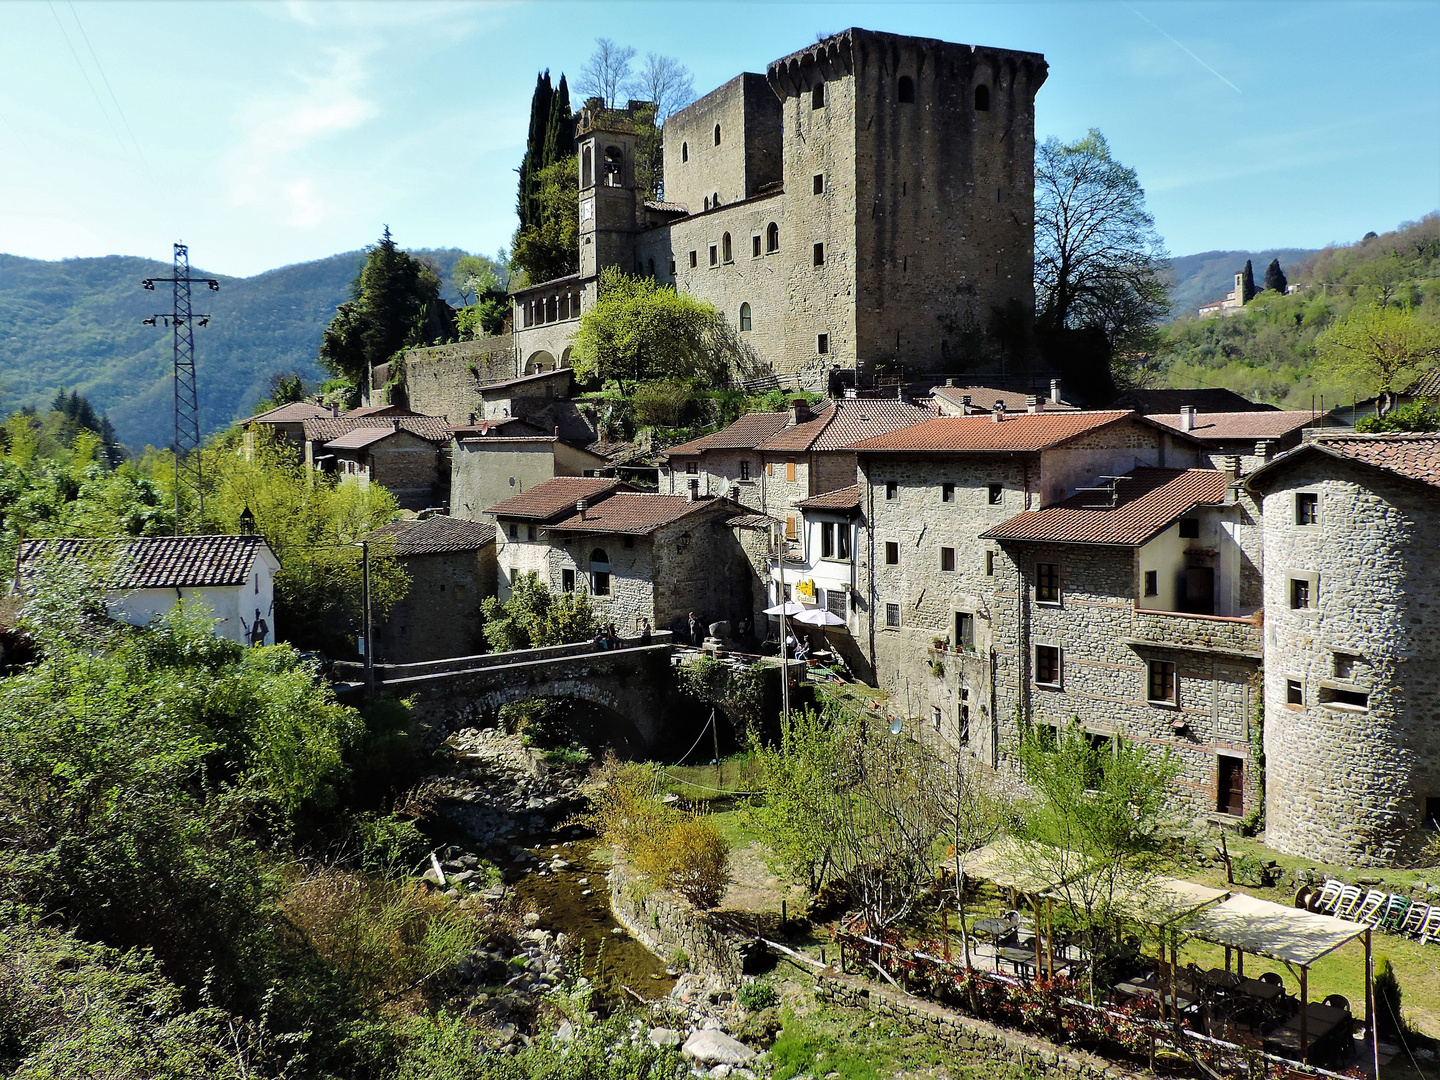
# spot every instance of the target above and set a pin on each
(799, 411)
(952, 382)
(1187, 417)
(1034, 404)
(334, 410)
(965, 400)
(851, 392)
(580, 507)
(557, 431)
(999, 413)
(1055, 391)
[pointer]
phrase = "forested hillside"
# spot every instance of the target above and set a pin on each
(76, 325)
(1209, 275)
(1269, 352)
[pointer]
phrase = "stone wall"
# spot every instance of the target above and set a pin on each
(444, 380)
(1348, 782)
(666, 924)
(440, 614)
(974, 1041)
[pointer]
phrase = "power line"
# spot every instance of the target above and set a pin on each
(86, 76)
(111, 91)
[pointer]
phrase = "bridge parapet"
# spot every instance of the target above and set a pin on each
(388, 673)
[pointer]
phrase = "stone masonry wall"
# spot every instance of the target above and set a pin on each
(440, 614)
(666, 924)
(444, 380)
(1349, 783)
(975, 1042)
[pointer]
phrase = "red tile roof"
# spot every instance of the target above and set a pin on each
(153, 562)
(291, 413)
(844, 423)
(360, 438)
(1147, 500)
(436, 535)
(636, 513)
(1427, 385)
(1223, 426)
(744, 434)
(1022, 431)
(325, 428)
(846, 498)
(984, 398)
(1413, 455)
(554, 496)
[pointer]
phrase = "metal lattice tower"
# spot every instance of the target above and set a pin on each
(182, 320)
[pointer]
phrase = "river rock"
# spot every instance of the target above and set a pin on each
(531, 919)
(434, 876)
(715, 1047)
(565, 1032)
(664, 1037)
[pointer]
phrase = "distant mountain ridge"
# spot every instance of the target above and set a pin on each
(77, 324)
(1209, 275)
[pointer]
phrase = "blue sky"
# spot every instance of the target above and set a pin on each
(266, 134)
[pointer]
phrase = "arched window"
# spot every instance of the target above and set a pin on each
(726, 251)
(982, 98)
(614, 160)
(651, 264)
(684, 151)
(587, 171)
(707, 202)
(817, 96)
(714, 199)
(772, 237)
(745, 317)
(599, 572)
(907, 89)
(717, 134)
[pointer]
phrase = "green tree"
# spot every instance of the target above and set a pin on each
(1247, 283)
(551, 138)
(395, 302)
(1417, 416)
(480, 283)
(550, 248)
(638, 329)
(801, 784)
(284, 387)
(535, 617)
(1275, 278)
(1099, 263)
(1378, 349)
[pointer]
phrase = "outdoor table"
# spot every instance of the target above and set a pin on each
(993, 928)
(1023, 960)
(1321, 1024)
(1229, 980)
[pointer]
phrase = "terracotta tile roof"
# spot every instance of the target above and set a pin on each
(490, 388)
(1021, 431)
(1413, 455)
(154, 562)
(325, 428)
(360, 438)
(1222, 426)
(1147, 500)
(1206, 399)
(847, 498)
(665, 207)
(437, 535)
(753, 521)
(637, 513)
(846, 422)
(744, 434)
(509, 426)
(292, 413)
(554, 496)
(983, 398)
(1427, 385)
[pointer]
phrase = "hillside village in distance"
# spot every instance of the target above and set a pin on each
(979, 551)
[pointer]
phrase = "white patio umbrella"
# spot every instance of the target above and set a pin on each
(820, 617)
(789, 607)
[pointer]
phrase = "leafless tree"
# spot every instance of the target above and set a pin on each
(607, 73)
(665, 83)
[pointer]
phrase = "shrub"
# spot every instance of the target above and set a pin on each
(1388, 1018)
(757, 995)
(665, 403)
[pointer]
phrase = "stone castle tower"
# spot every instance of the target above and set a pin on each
(865, 201)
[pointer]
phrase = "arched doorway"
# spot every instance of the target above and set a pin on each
(539, 362)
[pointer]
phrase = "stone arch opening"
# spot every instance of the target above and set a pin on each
(772, 237)
(717, 134)
(587, 166)
(614, 166)
(565, 356)
(684, 152)
(982, 98)
(539, 363)
(906, 90)
(727, 250)
(573, 719)
(745, 320)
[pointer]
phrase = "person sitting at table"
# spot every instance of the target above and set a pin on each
(802, 651)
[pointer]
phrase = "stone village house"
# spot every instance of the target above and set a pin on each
(489, 464)
(232, 578)
(403, 452)
(638, 555)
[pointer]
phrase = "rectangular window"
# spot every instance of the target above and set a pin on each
(935, 715)
(1047, 665)
(997, 492)
(790, 472)
(947, 493)
(1189, 528)
(892, 614)
(962, 736)
(842, 541)
(1152, 583)
(714, 255)
(1345, 699)
(1162, 682)
(1307, 508)
(745, 470)
(819, 254)
(567, 580)
(819, 183)
(835, 602)
(1047, 582)
(1294, 692)
(892, 490)
(964, 630)
(827, 539)
(602, 583)
(692, 467)
(822, 344)
(694, 489)
(514, 531)
(672, 274)
(755, 247)
(530, 533)
(1229, 785)
(989, 564)
(694, 262)
(1344, 665)
(947, 558)
(769, 468)
(892, 553)
(1299, 593)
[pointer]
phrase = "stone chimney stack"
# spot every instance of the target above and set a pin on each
(799, 411)
(965, 400)
(851, 392)
(1034, 404)
(1187, 417)
(580, 508)
(334, 411)
(1055, 391)
(999, 414)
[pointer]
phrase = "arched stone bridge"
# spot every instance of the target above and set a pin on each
(633, 685)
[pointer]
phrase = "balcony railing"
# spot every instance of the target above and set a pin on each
(1241, 636)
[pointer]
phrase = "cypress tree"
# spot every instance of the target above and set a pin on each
(1275, 277)
(560, 135)
(527, 205)
(1247, 283)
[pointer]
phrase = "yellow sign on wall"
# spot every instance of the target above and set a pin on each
(806, 588)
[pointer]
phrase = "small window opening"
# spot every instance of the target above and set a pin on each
(892, 553)
(892, 490)
(989, 564)
(613, 163)
(726, 252)
(819, 183)
(1189, 528)
(1047, 665)
(892, 614)
(717, 134)
(1299, 593)
(745, 470)
(714, 255)
(1047, 582)
(827, 539)
(907, 90)
(1345, 665)
(935, 717)
(772, 237)
(1152, 583)
(650, 263)
(684, 151)
(755, 247)
(1294, 692)
(745, 320)
(964, 630)
(947, 559)
(982, 98)
(996, 493)
(567, 580)
(822, 344)
(1307, 508)
(817, 96)
(1162, 681)
(819, 254)
(693, 261)
(947, 493)
(1348, 699)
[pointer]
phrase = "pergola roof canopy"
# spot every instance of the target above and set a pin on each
(1290, 935)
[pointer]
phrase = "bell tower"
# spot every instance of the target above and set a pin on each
(611, 206)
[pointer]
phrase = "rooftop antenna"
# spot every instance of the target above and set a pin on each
(182, 321)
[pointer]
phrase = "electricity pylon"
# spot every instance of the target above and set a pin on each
(187, 403)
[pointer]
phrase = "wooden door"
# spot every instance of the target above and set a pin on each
(1230, 786)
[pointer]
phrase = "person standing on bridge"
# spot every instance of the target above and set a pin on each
(697, 631)
(645, 632)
